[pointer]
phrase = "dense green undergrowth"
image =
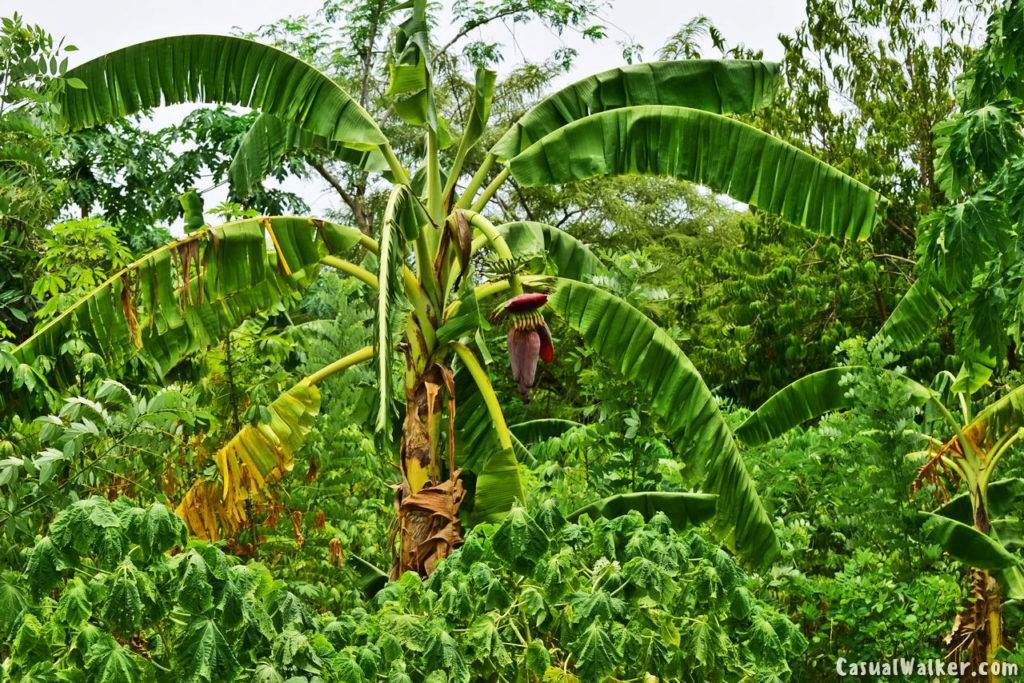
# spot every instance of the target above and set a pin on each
(115, 592)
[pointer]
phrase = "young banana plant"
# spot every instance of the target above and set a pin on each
(981, 526)
(431, 304)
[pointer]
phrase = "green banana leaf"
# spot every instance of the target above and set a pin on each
(410, 83)
(479, 112)
(645, 354)
(916, 315)
(1005, 497)
(269, 140)
(220, 70)
(1005, 505)
(702, 147)
(189, 294)
(371, 577)
(720, 86)
(499, 485)
(683, 509)
(535, 431)
(967, 544)
(1012, 580)
(571, 258)
(810, 397)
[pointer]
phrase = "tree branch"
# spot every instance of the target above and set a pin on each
(475, 24)
(353, 203)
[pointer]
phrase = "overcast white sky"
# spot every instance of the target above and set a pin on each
(100, 26)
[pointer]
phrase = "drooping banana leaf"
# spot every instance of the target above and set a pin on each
(720, 86)
(221, 70)
(189, 294)
(683, 509)
(645, 354)
(916, 315)
(967, 544)
(571, 258)
(702, 147)
(269, 140)
(259, 455)
(371, 577)
(813, 396)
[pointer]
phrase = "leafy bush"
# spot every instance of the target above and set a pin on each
(539, 598)
(119, 593)
(105, 601)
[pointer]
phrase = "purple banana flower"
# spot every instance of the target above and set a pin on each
(529, 339)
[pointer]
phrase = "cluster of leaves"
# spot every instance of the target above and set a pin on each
(858, 574)
(969, 250)
(76, 256)
(536, 597)
(540, 597)
(31, 75)
(106, 602)
(111, 442)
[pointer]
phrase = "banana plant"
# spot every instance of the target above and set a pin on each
(982, 526)
(432, 302)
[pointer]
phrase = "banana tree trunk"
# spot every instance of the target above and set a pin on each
(426, 505)
(982, 621)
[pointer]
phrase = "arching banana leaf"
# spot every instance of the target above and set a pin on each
(535, 431)
(645, 354)
(967, 544)
(975, 549)
(259, 455)
(269, 140)
(721, 86)
(189, 294)
(702, 147)
(216, 69)
(570, 257)
(810, 397)
(916, 315)
(1005, 497)
(683, 509)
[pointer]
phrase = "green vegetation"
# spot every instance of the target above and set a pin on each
(727, 443)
